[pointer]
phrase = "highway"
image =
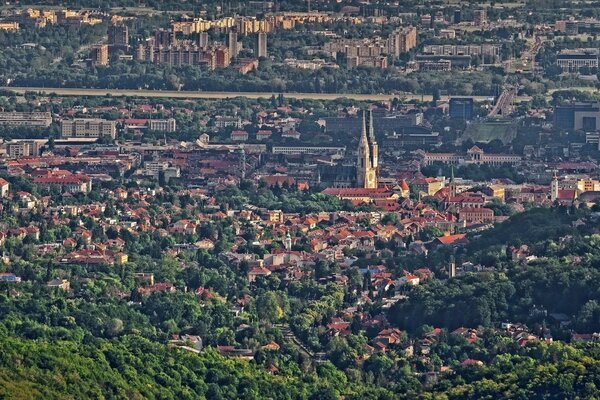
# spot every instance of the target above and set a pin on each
(221, 95)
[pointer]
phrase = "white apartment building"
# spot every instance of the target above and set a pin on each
(163, 125)
(88, 128)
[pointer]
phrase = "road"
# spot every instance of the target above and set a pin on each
(222, 95)
(504, 102)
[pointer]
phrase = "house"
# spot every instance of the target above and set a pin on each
(4, 188)
(476, 215)
(120, 258)
(60, 283)
(164, 287)
(231, 351)
(205, 244)
(192, 341)
(272, 346)
(256, 272)
(263, 134)
(9, 277)
(451, 240)
(469, 362)
(409, 280)
(239, 136)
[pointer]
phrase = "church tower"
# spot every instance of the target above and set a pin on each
(367, 158)
(554, 188)
(373, 144)
(453, 190)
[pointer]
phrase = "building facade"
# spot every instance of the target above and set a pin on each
(30, 119)
(163, 125)
(88, 128)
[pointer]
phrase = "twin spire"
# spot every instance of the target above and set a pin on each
(368, 153)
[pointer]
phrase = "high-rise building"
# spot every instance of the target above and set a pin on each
(233, 43)
(480, 16)
(223, 57)
(118, 36)
(368, 155)
(461, 108)
(100, 54)
(163, 37)
(402, 40)
(203, 40)
(457, 16)
(261, 45)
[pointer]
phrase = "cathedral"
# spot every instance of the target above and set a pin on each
(368, 156)
(364, 174)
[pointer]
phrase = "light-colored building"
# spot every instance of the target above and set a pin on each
(308, 150)
(163, 125)
(24, 148)
(574, 60)
(30, 119)
(88, 128)
(100, 54)
(4, 187)
(402, 40)
(9, 26)
(474, 156)
(261, 45)
(65, 182)
(225, 122)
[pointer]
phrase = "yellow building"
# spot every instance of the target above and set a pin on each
(121, 258)
(9, 26)
(588, 185)
(275, 216)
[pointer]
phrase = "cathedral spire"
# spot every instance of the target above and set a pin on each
(371, 127)
(364, 126)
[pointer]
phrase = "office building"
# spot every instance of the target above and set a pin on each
(461, 108)
(261, 45)
(457, 16)
(100, 54)
(88, 128)
(577, 116)
(163, 125)
(29, 119)
(575, 60)
(485, 49)
(434, 65)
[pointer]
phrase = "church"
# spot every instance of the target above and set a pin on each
(365, 173)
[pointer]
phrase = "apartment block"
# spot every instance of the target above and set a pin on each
(88, 128)
(100, 54)
(30, 119)
(163, 125)
(402, 40)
